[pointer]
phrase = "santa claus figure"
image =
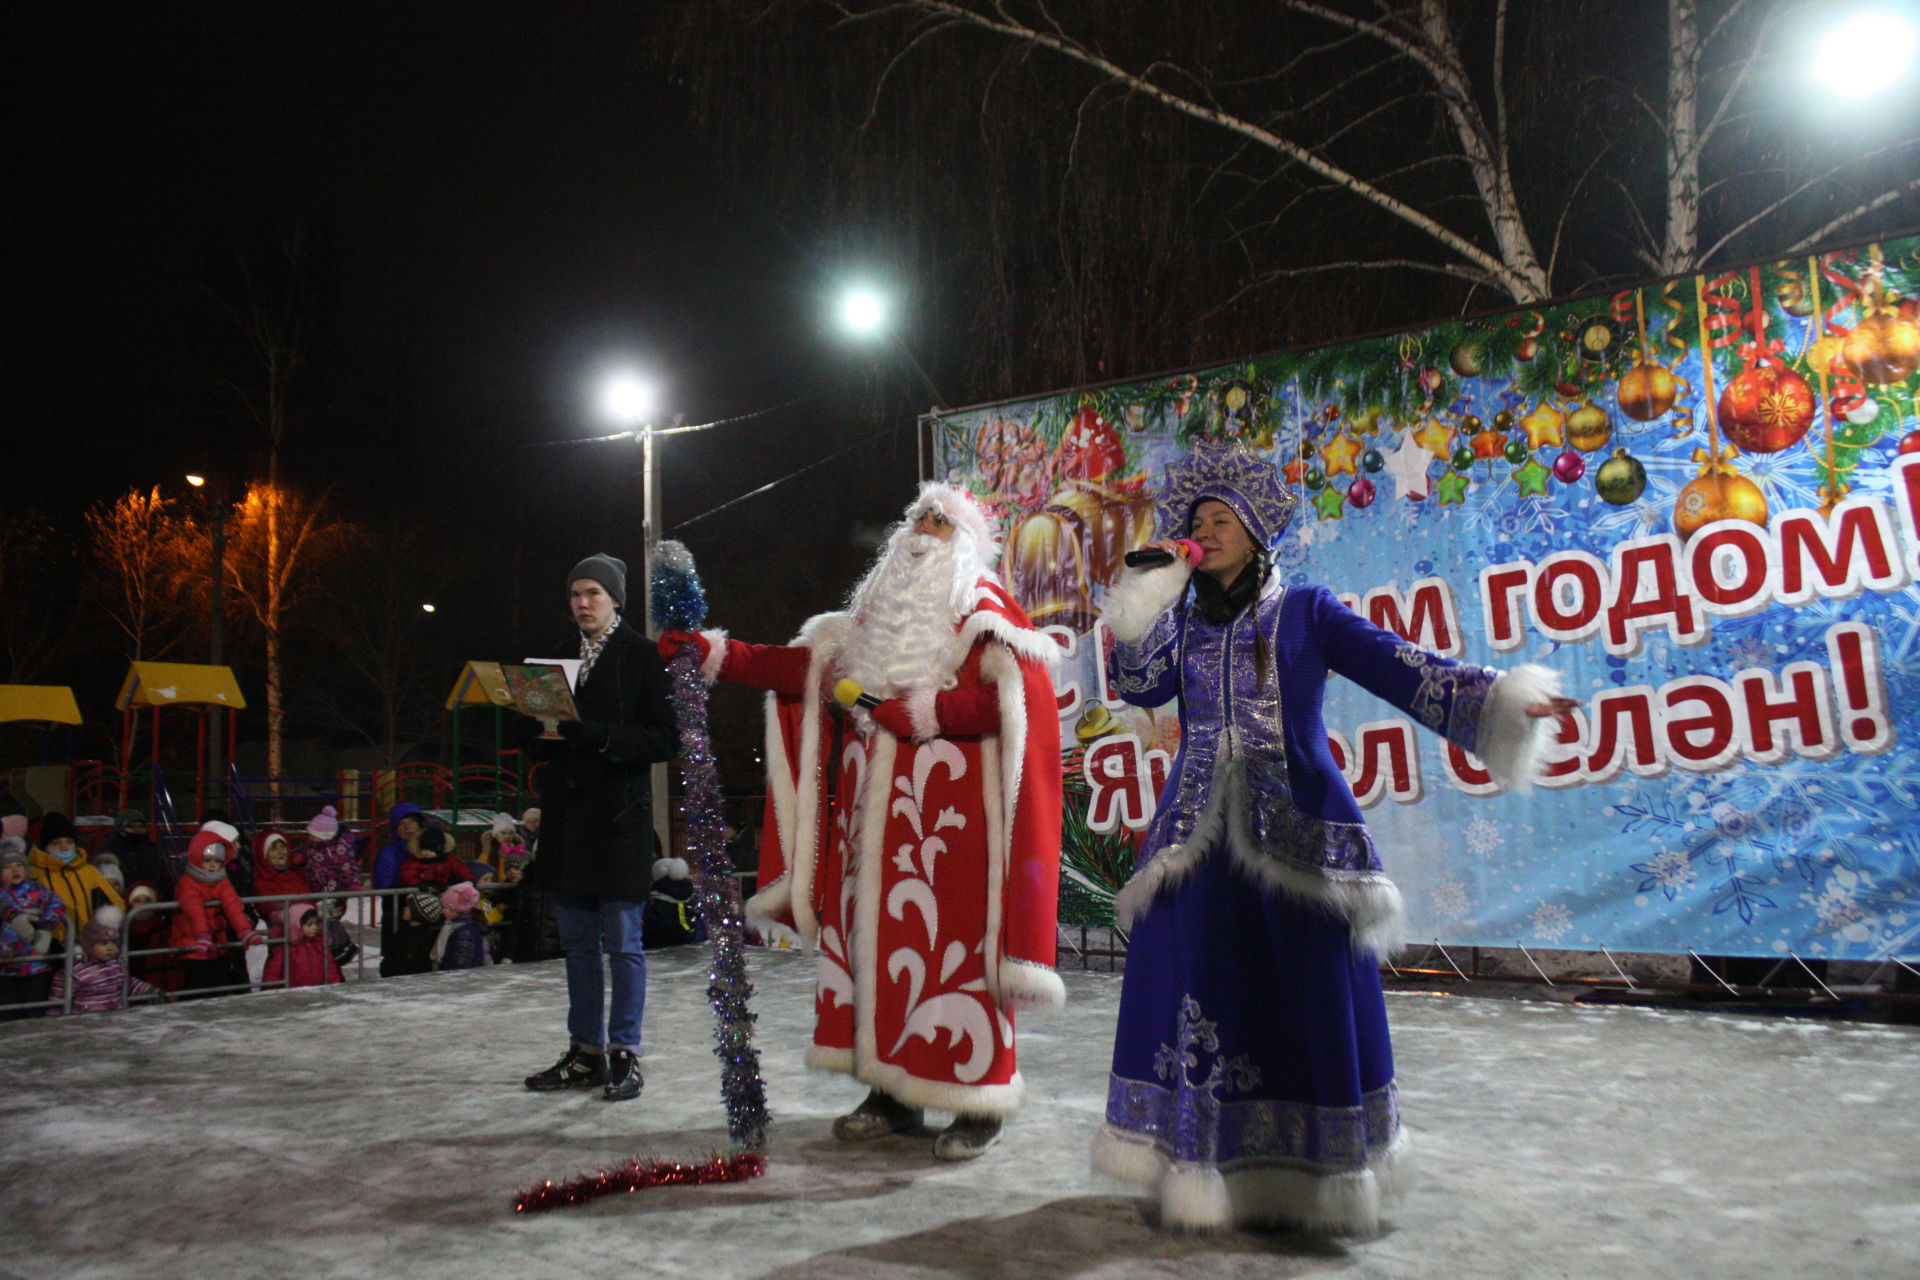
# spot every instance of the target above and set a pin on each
(913, 824)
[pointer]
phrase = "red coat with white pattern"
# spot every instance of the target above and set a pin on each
(928, 876)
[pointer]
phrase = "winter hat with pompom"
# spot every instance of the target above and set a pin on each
(325, 824)
(460, 897)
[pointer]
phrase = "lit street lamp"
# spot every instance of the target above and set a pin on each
(630, 401)
(216, 495)
(864, 313)
(1864, 54)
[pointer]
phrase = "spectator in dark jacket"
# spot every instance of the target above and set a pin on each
(140, 857)
(597, 843)
(463, 937)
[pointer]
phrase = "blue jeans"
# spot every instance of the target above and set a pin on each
(591, 925)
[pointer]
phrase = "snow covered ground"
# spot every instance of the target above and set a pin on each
(380, 1130)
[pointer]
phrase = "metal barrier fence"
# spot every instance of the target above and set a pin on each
(357, 899)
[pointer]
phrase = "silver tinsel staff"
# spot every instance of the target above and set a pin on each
(679, 604)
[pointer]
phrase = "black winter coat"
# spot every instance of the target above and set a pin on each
(596, 794)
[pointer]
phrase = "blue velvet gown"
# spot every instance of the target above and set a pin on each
(1252, 1078)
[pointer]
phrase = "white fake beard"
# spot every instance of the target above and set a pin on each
(905, 614)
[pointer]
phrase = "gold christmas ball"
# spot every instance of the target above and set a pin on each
(1589, 428)
(1646, 391)
(1719, 493)
(1883, 349)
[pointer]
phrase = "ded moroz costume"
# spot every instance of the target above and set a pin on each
(1252, 1080)
(915, 840)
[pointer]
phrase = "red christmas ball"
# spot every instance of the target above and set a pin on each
(1569, 467)
(1910, 442)
(1766, 409)
(1360, 493)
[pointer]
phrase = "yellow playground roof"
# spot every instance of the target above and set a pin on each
(167, 684)
(480, 682)
(50, 702)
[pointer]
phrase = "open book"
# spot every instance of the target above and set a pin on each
(538, 689)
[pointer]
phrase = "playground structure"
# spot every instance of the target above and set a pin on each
(462, 795)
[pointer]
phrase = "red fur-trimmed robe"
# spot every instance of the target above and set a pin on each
(928, 878)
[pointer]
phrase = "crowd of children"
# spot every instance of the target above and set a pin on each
(110, 908)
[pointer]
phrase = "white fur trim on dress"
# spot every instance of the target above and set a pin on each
(1142, 595)
(1193, 1197)
(920, 709)
(716, 655)
(1511, 742)
(1368, 901)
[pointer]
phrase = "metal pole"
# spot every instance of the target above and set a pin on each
(216, 739)
(649, 536)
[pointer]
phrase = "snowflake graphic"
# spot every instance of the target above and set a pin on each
(1670, 871)
(1751, 651)
(1449, 900)
(1551, 921)
(1483, 836)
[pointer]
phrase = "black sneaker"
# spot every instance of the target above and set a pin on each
(623, 1076)
(577, 1069)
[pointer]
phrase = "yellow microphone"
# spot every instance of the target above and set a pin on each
(849, 694)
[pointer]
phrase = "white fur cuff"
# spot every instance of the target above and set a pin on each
(1141, 596)
(716, 655)
(1025, 985)
(1511, 741)
(920, 709)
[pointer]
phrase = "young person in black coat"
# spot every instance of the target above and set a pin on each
(596, 839)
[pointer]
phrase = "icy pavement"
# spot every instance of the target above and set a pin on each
(380, 1130)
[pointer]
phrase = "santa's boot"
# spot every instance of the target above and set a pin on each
(967, 1137)
(877, 1117)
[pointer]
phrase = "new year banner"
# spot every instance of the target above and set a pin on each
(1699, 500)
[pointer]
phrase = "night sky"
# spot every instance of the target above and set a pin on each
(498, 202)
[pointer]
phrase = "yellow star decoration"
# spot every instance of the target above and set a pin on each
(1544, 426)
(1435, 436)
(1330, 504)
(1338, 454)
(1452, 489)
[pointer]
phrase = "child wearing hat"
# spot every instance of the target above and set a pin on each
(462, 943)
(303, 961)
(332, 866)
(62, 865)
(277, 869)
(100, 981)
(29, 914)
(210, 915)
(427, 869)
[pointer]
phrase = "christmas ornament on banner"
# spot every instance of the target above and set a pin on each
(1621, 479)
(1717, 492)
(1766, 407)
(1648, 390)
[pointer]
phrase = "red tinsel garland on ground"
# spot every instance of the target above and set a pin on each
(638, 1175)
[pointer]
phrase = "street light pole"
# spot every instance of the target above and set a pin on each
(216, 629)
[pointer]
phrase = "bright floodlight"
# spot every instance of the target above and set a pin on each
(426, 608)
(1864, 54)
(196, 481)
(627, 399)
(862, 311)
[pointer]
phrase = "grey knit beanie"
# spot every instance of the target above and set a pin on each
(609, 571)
